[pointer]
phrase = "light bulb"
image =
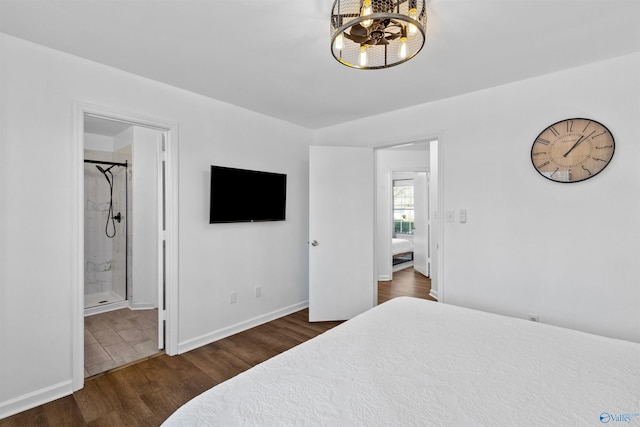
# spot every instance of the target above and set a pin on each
(362, 57)
(366, 11)
(402, 51)
(338, 43)
(413, 14)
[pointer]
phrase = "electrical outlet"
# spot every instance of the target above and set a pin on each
(233, 297)
(258, 291)
(533, 317)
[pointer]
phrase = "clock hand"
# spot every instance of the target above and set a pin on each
(577, 143)
(574, 146)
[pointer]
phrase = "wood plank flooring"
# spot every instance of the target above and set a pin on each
(407, 282)
(147, 392)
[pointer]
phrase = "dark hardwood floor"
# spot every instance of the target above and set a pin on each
(147, 392)
(407, 282)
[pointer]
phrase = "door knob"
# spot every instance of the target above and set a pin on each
(314, 243)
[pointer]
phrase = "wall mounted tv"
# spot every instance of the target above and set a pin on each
(240, 195)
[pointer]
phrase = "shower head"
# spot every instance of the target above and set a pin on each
(104, 172)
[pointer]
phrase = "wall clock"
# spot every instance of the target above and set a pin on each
(572, 150)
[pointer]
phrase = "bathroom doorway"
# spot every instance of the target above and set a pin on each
(123, 223)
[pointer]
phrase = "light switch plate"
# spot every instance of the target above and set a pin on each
(451, 216)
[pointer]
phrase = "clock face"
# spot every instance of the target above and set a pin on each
(572, 150)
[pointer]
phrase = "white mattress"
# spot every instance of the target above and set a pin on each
(401, 246)
(414, 362)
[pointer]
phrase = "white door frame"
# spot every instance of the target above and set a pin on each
(438, 280)
(171, 232)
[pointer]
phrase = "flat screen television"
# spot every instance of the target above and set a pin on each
(240, 195)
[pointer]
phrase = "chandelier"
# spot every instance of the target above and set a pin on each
(373, 34)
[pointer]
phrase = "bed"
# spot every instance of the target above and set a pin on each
(417, 362)
(401, 251)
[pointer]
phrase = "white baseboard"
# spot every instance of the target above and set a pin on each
(384, 278)
(35, 398)
(434, 294)
(107, 307)
(402, 266)
(194, 343)
(142, 306)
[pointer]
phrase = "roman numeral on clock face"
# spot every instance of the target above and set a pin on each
(597, 135)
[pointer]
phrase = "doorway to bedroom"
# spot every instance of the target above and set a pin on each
(407, 200)
(406, 203)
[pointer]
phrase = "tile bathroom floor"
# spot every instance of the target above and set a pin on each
(118, 337)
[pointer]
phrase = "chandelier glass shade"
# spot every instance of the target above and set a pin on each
(374, 34)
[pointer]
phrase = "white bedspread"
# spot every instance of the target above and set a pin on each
(411, 362)
(400, 246)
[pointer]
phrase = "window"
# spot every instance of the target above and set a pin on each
(403, 209)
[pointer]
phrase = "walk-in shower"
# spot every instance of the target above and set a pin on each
(105, 236)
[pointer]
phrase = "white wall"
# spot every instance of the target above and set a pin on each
(566, 252)
(93, 141)
(37, 93)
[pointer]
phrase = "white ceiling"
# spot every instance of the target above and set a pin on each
(106, 127)
(273, 56)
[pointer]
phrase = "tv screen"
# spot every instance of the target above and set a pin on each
(240, 195)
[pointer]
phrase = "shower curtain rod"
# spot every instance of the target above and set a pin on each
(125, 164)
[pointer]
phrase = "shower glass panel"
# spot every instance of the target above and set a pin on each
(105, 233)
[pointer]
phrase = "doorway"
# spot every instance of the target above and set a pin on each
(122, 229)
(127, 259)
(406, 210)
(409, 232)
(406, 283)
(364, 247)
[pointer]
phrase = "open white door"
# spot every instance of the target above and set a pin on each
(421, 223)
(162, 241)
(341, 206)
(435, 220)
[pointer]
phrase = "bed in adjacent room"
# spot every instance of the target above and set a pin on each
(417, 362)
(401, 250)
